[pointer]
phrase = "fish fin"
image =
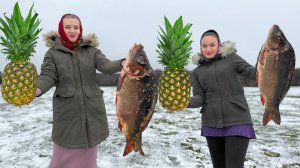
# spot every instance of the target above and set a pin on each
(134, 144)
(138, 144)
(262, 99)
(276, 116)
(261, 55)
(119, 85)
(141, 151)
(257, 66)
(272, 113)
(257, 76)
(258, 73)
(120, 126)
(121, 78)
(268, 115)
(130, 143)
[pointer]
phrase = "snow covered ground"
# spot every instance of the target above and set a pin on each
(171, 139)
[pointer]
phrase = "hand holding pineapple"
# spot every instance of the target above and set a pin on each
(20, 37)
(174, 49)
(38, 92)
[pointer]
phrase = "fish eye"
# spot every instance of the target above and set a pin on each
(142, 56)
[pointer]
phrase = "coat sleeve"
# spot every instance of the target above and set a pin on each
(197, 100)
(48, 76)
(105, 65)
(243, 68)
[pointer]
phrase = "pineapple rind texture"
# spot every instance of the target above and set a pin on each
(19, 81)
(174, 94)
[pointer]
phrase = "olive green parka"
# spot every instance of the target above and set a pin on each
(218, 90)
(79, 115)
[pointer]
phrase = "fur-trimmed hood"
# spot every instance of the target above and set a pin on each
(50, 39)
(225, 49)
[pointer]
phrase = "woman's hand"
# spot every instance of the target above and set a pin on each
(123, 62)
(38, 92)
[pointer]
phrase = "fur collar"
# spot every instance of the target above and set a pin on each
(50, 37)
(226, 49)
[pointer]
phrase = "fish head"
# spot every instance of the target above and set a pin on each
(276, 38)
(137, 62)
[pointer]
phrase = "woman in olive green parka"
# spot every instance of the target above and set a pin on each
(79, 116)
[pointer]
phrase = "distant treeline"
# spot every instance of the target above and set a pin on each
(112, 80)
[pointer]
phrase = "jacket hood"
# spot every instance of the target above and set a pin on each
(50, 37)
(226, 48)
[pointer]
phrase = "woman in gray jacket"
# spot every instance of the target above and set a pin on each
(226, 120)
(79, 116)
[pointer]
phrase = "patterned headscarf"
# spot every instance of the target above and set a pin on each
(64, 38)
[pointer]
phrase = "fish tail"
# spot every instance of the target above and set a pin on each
(276, 117)
(133, 144)
(130, 144)
(138, 144)
(267, 116)
(271, 113)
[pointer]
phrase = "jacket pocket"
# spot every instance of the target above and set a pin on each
(64, 93)
(238, 110)
(91, 92)
(94, 101)
(64, 104)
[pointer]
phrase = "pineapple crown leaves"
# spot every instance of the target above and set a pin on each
(174, 47)
(20, 34)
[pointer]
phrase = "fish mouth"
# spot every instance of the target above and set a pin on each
(275, 38)
(142, 64)
(275, 26)
(141, 61)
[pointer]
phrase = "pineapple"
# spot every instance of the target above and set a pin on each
(19, 77)
(174, 49)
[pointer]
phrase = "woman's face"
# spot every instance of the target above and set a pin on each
(209, 46)
(71, 28)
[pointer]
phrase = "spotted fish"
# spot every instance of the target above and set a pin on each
(136, 98)
(275, 71)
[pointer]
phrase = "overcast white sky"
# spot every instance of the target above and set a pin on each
(120, 23)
